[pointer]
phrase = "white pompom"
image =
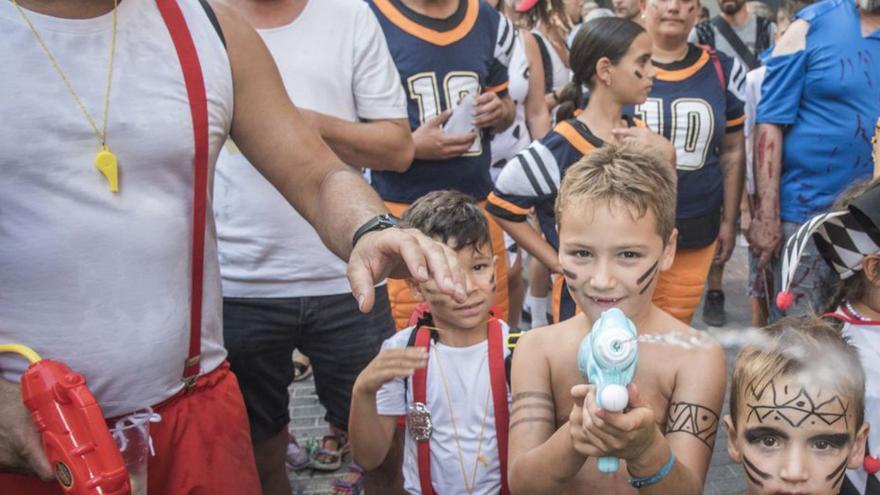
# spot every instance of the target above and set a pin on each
(614, 398)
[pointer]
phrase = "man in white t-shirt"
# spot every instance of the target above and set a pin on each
(282, 288)
(99, 273)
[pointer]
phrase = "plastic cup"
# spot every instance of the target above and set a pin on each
(132, 435)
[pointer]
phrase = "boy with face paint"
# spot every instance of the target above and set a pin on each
(797, 410)
(448, 368)
(616, 222)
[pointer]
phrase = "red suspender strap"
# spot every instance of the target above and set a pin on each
(497, 377)
(420, 395)
(198, 105)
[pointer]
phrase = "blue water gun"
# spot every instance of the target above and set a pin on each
(607, 358)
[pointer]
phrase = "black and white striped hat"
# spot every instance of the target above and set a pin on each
(843, 238)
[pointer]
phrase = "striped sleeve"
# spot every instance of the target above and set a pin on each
(530, 177)
(736, 94)
(504, 42)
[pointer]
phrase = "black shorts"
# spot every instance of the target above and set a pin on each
(261, 334)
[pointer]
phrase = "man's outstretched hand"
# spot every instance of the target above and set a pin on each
(402, 253)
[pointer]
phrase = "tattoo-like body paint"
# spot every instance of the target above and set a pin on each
(569, 275)
(521, 407)
(797, 409)
(752, 471)
(531, 395)
(518, 422)
(694, 419)
(639, 74)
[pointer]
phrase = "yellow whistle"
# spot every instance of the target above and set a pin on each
(107, 164)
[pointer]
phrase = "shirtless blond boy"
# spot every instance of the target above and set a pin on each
(616, 214)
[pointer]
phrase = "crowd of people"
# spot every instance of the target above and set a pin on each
(432, 202)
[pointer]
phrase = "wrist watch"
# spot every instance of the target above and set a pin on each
(379, 222)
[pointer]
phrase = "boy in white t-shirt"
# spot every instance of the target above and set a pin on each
(446, 371)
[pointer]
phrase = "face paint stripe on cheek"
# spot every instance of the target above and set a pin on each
(647, 273)
(569, 275)
(757, 472)
(639, 75)
(652, 272)
(837, 472)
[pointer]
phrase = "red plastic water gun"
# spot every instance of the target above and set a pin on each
(74, 433)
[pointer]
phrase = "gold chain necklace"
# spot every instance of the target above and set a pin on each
(469, 487)
(105, 160)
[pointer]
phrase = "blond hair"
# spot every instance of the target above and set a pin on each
(627, 174)
(798, 345)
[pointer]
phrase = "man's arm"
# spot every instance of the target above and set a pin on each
(733, 160)
(377, 144)
(542, 459)
(21, 450)
(277, 140)
(765, 231)
(382, 139)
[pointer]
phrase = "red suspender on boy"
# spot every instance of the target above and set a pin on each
(198, 105)
(498, 380)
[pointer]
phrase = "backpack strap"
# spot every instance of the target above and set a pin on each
(716, 62)
(420, 383)
(733, 39)
(546, 61)
(198, 105)
(209, 11)
(705, 34)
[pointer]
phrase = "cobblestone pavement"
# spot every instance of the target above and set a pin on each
(725, 477)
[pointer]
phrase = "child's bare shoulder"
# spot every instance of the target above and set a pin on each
(548, 340)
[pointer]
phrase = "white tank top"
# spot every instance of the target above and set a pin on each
(97, 280)
(561, 73)
(516, 137)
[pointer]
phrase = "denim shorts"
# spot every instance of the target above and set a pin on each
(261, 334)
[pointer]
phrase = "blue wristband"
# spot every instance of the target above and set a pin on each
(656, 477)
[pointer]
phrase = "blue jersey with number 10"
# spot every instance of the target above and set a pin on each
(694, 102)
(442, 61)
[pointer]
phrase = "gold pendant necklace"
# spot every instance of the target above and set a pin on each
(105, 160)
(469, 487)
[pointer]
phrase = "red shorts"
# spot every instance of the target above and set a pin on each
(203, 445)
